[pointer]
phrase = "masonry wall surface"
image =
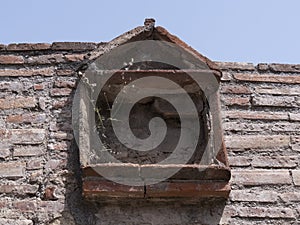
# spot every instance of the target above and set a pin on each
(39, 161)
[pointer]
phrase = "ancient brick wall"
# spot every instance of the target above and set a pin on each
(261, 124)
(39, 161)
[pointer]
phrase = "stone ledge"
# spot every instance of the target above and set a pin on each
(192, 181)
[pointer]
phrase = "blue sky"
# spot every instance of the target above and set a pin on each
(223, 30)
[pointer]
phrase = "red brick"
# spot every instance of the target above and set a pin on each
(263, 67)
(54, 164)
(256, 141)
(261, 127)
(290, 197)
(11, 86)
(38, 87)
(294, 116)
(235, 89)
(50, 206)
(276, 101)
(240, 161)
(65, 83)
(32, 150)
(275, 161)
(17, 102)
(60, 146)
(26, 72)
(61, 103)
(278, 90)
(65, 72)
(253, 196)
(12, 169)
(272, 78)
(256, 115)
(61, 135)
(45, 59)
(15, 221)
(25, 206)
(75, 57)
(35, 163)
(50, 194)
(79, 46)
(295, 143)
(236, 101)
(261, 177)
(265, 212)
(60, 91)
(2, 47)
(27, 136)
(286, 68)
(296, 177)
(18, 189)
(11, 59)
(28, 47)
(4, 153)
(27, 189)
(188, 189)
(4, 150)
(235, 66)
(27, 118)
(226, 76)
(35, 176)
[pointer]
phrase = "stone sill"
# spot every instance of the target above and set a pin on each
(191, 181)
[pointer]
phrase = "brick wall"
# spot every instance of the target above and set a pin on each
(262, 128)
(39, 164)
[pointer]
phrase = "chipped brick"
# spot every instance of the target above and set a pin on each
(290, 197)
(256, 141)
(235, 89)
(27, 136)
(253, 196)
(11, 59)
(236, 66)
(12, 169)
(35, 163)
(286, 68)
(272, 78)
(60, 91)
(28, 47)
(45, 59)
(17, 102)
(20, 151)
(265, 212)
(296, 177)
(75, 57)
(24, 206)
(27, 118)
(294, 116)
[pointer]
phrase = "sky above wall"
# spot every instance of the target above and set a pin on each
(223, 30)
